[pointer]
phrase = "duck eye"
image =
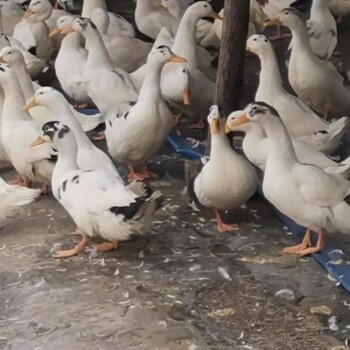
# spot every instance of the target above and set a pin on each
(205, 6)
(255, 39)
(266, 41)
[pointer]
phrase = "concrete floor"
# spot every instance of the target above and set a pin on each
(182, 287)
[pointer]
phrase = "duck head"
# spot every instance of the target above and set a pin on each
(288, 17)
(163, 54)
(214, 120)
(39, 10)
(203, 9)
(45, 96)
(12, 56)
(81, 25)
(63, 23)
(258, 44)
(55, 133)
(256, 112)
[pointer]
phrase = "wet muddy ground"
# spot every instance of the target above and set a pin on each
(182, 287)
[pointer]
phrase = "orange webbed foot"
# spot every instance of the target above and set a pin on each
(106, 247)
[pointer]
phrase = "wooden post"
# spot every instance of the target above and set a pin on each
(230, 75)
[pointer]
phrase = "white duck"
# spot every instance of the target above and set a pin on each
(316, 82)
(33, 32)
(150, 20)
(14, 58)
(201, 88)
(298, 117)
(322, 28)
(18, 130)
(339, 8)
(135, 136)
(11, 15)
(227, 180)
(117, 24)
(255, 147)
(107, 86)
(99, 204)
(305, 193)
(89, 156)
(70, 61)
(125, 52)
(12, 198)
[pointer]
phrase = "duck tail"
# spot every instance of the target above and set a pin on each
(343, 168)
(15, 197)
(89, 122)
(338, 128)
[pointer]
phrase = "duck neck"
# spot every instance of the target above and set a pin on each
(67, 158)
(62, 110)
(185, 39)
(270, 74)
(219, 142)
(301, 39)
(143, 7)
(90, 5)
(277, 134)
(72, 41)
(14, 102)
(98, 54)
(151, 91)
(319, 7)
(25, 81)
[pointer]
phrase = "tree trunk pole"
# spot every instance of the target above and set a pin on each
(230, 75)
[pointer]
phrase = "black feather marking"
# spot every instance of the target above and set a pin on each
(2, 69)
(75, 179)
(126, 115)
(110, 123)
(130, 211)
(324, 132)
(32, 50)
(64, 186)
(53, 159)
(347, 200)
(264, 108)
(63, 131)
(59, 193)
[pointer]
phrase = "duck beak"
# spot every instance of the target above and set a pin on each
(54, 32)
(2, 59)
(236, 122)
(28, 13)
(30, 105)
(213, 14)
(177, 59)
(186, 97)
(67, 30)
(273, 22)
(37, 142)
(215, 126)
(247, 49)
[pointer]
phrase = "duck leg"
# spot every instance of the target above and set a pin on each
(77, 249)
(176, 119)
(106, 247)
(20, 182)
(222, 227)
(319, 245)
(146, 173)
(135, 175)
(99, 137)
(300, 247)
(199, 125)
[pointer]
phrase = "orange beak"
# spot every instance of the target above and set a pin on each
(54, 32)
(37, 142)
(273, 22)
(30, 105)
(186, 97)
(2, 59)
(236, 122)
(213, 14)
(67, 30)
(177, 59)
(29, 13)
(215, 126)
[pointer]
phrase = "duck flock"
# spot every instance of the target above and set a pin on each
(136, 86)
